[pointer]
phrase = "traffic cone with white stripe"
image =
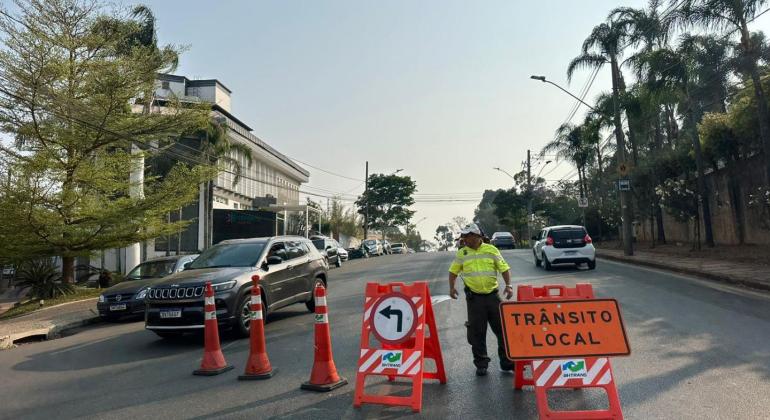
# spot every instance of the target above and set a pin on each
(213, 362)
(258, 365)
(324, 376)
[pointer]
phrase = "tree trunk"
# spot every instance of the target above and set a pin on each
(659, 220)
(658, 212)
(762, 112)
(734, 191)
(703, 190)
(68, 269)
(625, 197)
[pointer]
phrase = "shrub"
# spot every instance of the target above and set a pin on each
(43, 279)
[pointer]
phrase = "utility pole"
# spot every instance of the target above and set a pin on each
(529, 190)
(366, 197)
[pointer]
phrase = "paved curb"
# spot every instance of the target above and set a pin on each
(50, 332)
(707, 274)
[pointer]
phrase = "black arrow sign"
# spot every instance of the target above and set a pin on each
(387, 312)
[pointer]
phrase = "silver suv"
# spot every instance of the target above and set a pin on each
(569, 244)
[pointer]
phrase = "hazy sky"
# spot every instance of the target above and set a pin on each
(438, 88)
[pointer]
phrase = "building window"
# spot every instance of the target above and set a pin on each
(235, 206)
(164, 84)
(221, 200)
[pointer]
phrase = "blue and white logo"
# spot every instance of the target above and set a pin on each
(392, 359)
(572, 369)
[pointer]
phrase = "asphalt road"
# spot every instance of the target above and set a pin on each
(700, 350)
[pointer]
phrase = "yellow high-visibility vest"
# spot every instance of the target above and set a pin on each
(479, 267)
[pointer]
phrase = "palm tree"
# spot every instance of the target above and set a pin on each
(736, 15)
(571, 144)
(604, 45)
(674, 70)
(217, 148)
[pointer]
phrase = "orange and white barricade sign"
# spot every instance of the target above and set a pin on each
(398, 333)
(565, 336)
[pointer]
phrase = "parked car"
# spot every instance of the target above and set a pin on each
(343, 253)
(289, 267)
(127, 298)
(386, 247)
(564, 245)
(358, 252)
(328, 248)
(503, 240)
(373, 247)
(398, 248)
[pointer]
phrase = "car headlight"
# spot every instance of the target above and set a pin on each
(142, 294)
(102, 299)
(221, 287)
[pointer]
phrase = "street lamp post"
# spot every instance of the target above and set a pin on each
(625, 195)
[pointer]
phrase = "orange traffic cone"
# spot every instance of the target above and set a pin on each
(324, 376)
(213, 362)
(258, 365)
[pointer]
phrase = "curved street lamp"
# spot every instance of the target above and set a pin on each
(505, 172)
(543, 79)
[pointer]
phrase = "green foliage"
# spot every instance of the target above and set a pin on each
(388, 199)
(484, 215)
(72, 74)
(344, 220)
(444, 237)
(679, 199)
(43, 278)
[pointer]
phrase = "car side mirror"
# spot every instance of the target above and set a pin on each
(273, 260)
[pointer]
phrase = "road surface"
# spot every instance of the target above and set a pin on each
(699, 350)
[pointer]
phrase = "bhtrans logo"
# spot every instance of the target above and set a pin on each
(574, 369)
(392, 359)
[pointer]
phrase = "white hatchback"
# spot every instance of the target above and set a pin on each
(569, 244)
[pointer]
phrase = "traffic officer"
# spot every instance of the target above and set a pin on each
(479, 263)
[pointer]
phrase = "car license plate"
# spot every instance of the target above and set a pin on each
(172, 313)
(570, 252)
(118, 307)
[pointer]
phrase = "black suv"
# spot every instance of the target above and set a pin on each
(289, 267)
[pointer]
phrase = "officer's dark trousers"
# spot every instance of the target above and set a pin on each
(483, 310)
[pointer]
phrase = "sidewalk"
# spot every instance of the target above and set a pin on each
(48, 322)
(753, 275)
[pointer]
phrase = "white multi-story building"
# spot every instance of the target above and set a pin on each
(272, 178)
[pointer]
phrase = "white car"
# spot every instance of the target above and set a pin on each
(342, 252)
(569, 244)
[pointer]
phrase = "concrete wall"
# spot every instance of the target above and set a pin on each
(747, 176)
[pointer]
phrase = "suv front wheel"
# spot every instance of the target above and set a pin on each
(243, 320)
(311, 303)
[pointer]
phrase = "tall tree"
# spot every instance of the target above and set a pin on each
(675, 69)
(573, 144)
(388, 199)
(735, 15)
(604, 46)
(67, 86)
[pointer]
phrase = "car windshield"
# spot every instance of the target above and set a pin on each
(502, 235)
(229, 255)
(152, 270)
(397, 245)
(319, 243)
(568, 233)
(370, 242)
